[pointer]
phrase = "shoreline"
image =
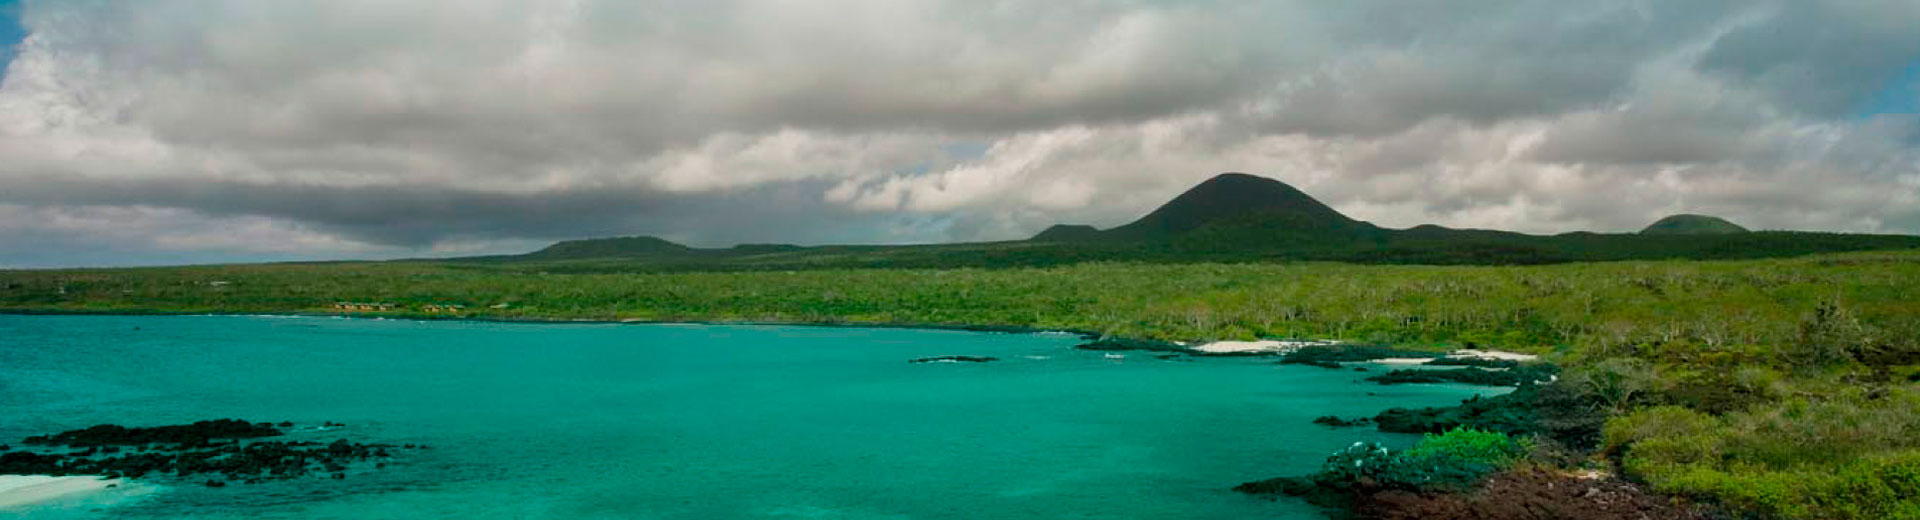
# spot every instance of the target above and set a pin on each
(18, 491)
(984, 328)
(1214, 348)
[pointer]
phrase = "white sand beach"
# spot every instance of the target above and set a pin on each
(22, 490)
(1403, 361)
(1492, 354)
(1273, 346)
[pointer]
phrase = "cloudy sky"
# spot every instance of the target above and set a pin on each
(173, 131)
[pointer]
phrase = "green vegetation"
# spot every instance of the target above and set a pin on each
(1455, 460)
(1844, 456)
(1670, 311)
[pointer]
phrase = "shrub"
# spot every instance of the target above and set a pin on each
(1451, 461)
(1457, 459)
(1617, 382)
(1851, 456)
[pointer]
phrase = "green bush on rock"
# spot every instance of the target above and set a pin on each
(1453, 461)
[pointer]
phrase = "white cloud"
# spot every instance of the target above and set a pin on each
(389, 127)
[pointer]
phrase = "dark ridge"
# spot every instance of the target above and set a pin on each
(1686, 224)
(1067, 233)
(608, 248)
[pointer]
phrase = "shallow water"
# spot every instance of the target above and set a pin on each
(691, 421)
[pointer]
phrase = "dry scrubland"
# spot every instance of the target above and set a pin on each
(1777, 387)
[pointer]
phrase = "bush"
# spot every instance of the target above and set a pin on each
(1452, 461)
(1851, 456)
(1457, 459)
(1617, 382)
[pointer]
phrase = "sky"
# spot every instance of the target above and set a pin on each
(146, 132)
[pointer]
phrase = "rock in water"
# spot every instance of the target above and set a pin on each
(953, 359)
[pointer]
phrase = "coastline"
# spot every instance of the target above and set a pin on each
(1205, 347)
(986, 328)
(19, 491)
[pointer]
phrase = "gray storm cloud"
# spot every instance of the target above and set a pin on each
(212, 130)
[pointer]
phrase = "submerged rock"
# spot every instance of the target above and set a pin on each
(953, 359)
(190, 434)
(188, 450)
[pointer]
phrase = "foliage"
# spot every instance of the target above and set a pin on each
(1846, 456)
(1616, 381)
(1663, 312)
(1457, 459)
(1452, 461)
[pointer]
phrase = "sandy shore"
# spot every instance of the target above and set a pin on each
(23, 490)
(1492, 354)
(1403, 361)
(1274, 346)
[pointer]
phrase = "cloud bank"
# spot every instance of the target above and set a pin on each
(164, 131)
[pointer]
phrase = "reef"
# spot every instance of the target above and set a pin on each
(217, 451)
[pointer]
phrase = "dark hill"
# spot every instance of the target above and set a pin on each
(1232, 217)
(1685, 224)
(608, 248)
(1067, 233)
(1237, 206)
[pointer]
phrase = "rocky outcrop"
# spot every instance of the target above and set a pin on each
(1337, 422)
(1516, 376)
(1532, 494)
(1116, 343)
(1554, 411)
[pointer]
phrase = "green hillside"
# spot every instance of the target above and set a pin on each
(1687, 224)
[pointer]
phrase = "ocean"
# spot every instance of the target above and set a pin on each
(595, 420)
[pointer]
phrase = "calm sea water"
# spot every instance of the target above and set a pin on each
(691, 422)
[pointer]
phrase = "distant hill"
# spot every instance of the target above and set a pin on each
(1232, 217)
(608, 248)
(1067, 233)
(1687, 224)
(1239, 206)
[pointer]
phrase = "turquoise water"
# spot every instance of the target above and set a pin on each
(691, 422)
